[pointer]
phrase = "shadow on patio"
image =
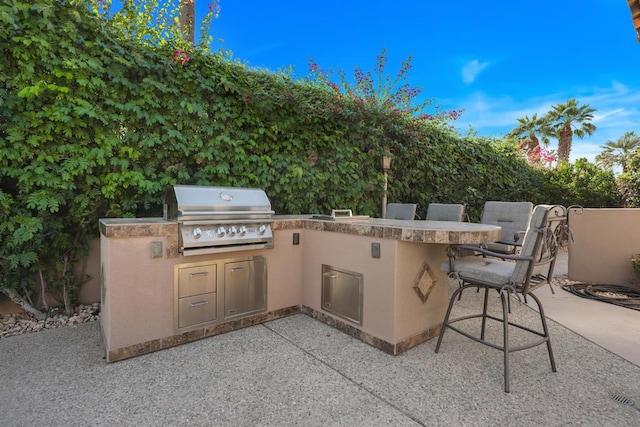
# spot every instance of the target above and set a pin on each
(298, 371)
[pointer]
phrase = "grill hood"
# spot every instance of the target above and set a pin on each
(203, 203)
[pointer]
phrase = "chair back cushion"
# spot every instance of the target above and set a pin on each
(445, 212)
(401, 211)
(540, 241)
(513, 217)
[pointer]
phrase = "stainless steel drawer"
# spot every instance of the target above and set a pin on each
(197, 280)
(197, 309)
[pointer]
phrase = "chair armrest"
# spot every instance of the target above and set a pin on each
(487, 252)
(504, 242)
(518, 238)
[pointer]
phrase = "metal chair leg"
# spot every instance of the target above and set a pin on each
(445, 323)
(505, 299)
(545, 330)
(484, 312)
(506, 348)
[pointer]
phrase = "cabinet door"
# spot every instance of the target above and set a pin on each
(342, 293)
(245, 287)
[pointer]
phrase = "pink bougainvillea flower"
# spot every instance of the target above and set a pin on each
(180, 56)
(312, 156)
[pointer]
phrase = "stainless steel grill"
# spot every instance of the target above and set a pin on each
(219, 219)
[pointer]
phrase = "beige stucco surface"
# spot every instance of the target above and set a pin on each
(353, 253)
(603, 242)
(392, 310)
(89, 291)
(412, 316)
(138, 291)
(284, 270)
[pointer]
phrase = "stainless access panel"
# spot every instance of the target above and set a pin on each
(342, 293)
(245, 287)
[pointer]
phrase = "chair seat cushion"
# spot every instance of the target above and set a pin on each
(475, 268)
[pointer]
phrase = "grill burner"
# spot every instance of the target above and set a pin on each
(219, 219)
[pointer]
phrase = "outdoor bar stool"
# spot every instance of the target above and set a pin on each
(445, 212)
(510, 275)
(401, 211)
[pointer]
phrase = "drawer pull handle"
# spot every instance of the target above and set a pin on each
(236, 269)
(195, 304)
(202, 273)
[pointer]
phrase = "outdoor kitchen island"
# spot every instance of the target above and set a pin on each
(376, 279)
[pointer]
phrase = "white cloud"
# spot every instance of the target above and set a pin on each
(471, 70)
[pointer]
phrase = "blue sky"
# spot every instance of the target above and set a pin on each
(498, 60)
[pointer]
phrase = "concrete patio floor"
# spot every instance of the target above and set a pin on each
(298, 371)
(615, 328)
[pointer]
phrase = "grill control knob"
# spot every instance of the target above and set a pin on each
(196, 233)
(262, 229)
(232, 231)
(220, 231)
(242, 230)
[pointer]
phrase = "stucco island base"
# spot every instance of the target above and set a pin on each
(404, 293)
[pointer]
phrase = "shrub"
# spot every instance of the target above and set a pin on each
(93, 125)
(582, 183)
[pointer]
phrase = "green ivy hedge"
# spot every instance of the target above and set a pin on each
(93, 126)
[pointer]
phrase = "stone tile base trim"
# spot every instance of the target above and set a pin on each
(413, 341)
(380, 344)
(221, 328)
(134, 350)
(197, 334)
(212, 330)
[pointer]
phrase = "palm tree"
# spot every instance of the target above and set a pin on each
(188, 19)
(528, 128)
(567, 120)
(620, 152)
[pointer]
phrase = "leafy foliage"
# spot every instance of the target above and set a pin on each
(96, 124)
(629, 181)
(621, 153)
(582, 183)
(378, 89)
(158, 23)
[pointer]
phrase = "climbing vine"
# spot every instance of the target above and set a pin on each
(95, 124)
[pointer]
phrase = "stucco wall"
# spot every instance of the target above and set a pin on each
(604, 240)
(89, 292)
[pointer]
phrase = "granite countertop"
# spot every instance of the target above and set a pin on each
(137, 227)
(444, 232)
(421, 231)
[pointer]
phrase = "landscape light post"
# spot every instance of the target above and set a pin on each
(386, 165)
